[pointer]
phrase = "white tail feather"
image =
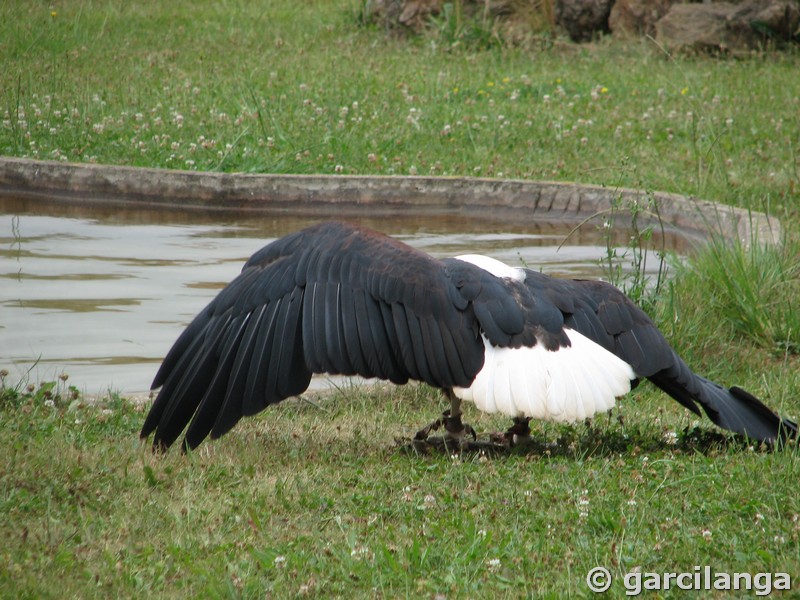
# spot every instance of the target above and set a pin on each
(493, 266)
(569, 384)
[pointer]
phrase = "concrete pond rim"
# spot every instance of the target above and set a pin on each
(342, 196)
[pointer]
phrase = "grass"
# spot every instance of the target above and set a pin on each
(751, 291)
(302, 87)
(318, 499)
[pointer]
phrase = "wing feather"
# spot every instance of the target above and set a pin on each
(333, 298)
(405, 341)
(210, 399)
(183, 388)
(255, 392)
(293, 375)
(353, 340)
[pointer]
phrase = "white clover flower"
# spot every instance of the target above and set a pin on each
(360, 552)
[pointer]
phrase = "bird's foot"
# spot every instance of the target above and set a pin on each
(519, 434)
(423, 433)
(455, 430)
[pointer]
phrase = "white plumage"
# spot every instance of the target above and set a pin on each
(567, 385)
(493, 266)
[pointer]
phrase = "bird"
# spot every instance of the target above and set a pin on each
(342, 299)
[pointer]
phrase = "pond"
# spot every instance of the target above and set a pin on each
(102, 293)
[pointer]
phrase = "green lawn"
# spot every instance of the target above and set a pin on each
(318, 498)
(301, 87)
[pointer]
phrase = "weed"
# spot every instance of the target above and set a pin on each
(643, 220)
(626, 266)
(454, 28)
(50, 393)
(751, 287)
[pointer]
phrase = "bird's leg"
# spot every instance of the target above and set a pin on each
(520, 432)
(456, 430)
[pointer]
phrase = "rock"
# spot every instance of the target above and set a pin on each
(728, 27)
(631, 18)
(382, 11)
(779, 19)
(411, 14)
(417, 12)
(717, 26)
(500, 8)
(583, 19)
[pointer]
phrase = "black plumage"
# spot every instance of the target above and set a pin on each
(340, 299)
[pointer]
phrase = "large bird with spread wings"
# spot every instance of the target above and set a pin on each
(341, 299)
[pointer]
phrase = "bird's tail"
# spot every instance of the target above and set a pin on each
(732, 408)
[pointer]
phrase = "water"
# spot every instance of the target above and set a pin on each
(102, 293)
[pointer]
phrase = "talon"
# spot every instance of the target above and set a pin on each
(499, 439)
(423, 433)
(469, 429)
(455, 430)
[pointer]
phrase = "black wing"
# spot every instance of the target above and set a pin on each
(605, 315)
(332, 298)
